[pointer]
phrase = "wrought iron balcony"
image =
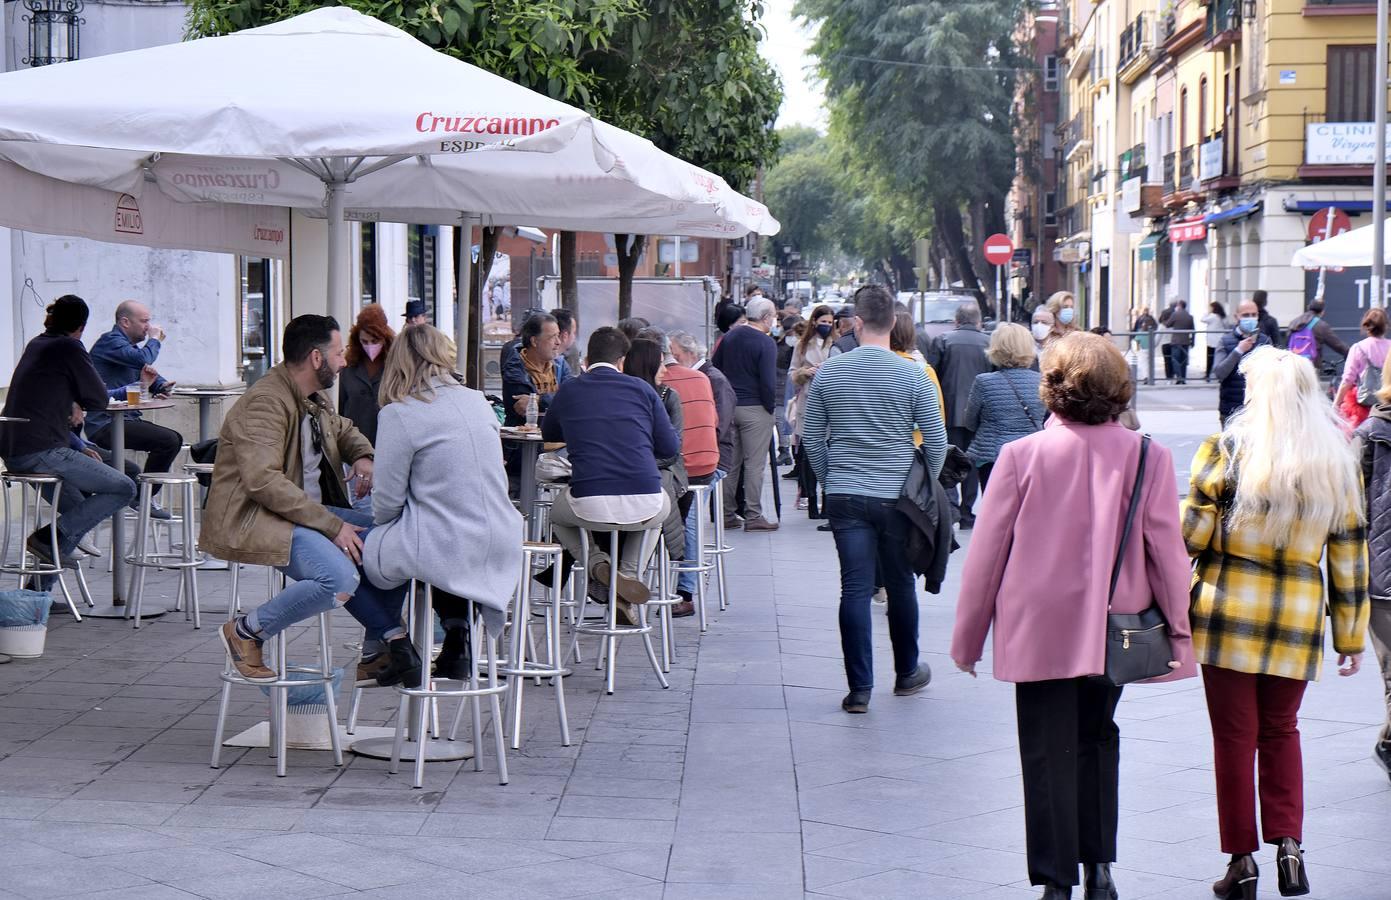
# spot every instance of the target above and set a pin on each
(1223, 23)
(1170, 173)
(1186, 163)
(1131, 163)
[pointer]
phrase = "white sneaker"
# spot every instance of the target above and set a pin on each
(88, 548)
(881, 596)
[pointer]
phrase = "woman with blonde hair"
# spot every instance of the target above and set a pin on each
(439, 504)
(1063, 306)
(1275, 493)
(1004, 404)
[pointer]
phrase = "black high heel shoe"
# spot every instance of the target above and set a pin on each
(1240, 881)
(1098, 883)
(1289, 866)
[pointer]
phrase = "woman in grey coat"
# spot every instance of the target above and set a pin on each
(1004, 405)
(439, 502)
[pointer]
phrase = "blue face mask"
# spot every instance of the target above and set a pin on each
(824, 330)
(1249, 323)
(1065, 315)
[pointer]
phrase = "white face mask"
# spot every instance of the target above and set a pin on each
(1041, 330)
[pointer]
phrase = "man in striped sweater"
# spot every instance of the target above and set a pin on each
(860, 414)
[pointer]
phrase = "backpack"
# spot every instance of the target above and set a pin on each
(1304, 343)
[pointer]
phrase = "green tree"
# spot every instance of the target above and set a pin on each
(926, 88)
(805, 187)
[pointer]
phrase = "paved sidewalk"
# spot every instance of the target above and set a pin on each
(743, 780)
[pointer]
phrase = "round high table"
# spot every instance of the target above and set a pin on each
(530, 443)
(3, 420)
(205, 397)
(116, 609)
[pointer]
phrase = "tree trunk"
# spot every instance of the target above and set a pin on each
(487, 249)
(569, 280)
(948, 218)
(629, 251)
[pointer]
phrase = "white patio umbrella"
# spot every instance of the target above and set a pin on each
(332, 105)
(1349, 249)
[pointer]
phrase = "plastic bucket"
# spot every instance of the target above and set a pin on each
(23, 641)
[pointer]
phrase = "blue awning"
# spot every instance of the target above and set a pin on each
(1309, 207)
(1240, 211)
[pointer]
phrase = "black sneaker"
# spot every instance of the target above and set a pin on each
(966, 523)
(40, 544)
(856, 702)
(1382, 756)
(906, 685)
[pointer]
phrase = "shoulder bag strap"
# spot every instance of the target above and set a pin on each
(1129, 517)
(1017, 396)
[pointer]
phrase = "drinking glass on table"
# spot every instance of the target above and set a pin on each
(133, 394)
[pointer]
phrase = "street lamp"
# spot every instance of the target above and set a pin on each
(53, 26)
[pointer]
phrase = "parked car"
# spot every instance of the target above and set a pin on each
(934, 311)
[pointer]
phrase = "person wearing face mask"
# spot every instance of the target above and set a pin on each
(1236, 346)
(812, 350)
(793, 327)
(1042, 329)
(361, 380)
(1063, 306)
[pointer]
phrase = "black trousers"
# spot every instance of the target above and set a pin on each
(1070, 749)
(970, 487)
(162, 444)
(806, 480)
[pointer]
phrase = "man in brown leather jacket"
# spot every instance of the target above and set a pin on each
(278, 498)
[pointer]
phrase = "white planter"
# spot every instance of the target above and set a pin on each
(23, 641)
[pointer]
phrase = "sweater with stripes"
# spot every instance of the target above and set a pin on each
(860, 414)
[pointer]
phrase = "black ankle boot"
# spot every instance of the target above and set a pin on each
(546, 576)
(1098, 883)
(1240, 881)
(404, 666)
(454, 660)
(1289, 865)
(1056, 892)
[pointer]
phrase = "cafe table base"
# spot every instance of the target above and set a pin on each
(149, 609)
(436, 749)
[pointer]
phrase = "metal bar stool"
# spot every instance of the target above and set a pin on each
(700, 567)
(609, 629)
(518, 667)
(280, 688)
(417, 703)
(186, 559)
(31, 489)
(664, 597)
(718, 548)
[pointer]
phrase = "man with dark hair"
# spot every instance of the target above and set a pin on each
(54, 374)
(537, 368)
(1320, 337)
(958, 357)
(278, 498)
(614, 428)
(632, 327)
(1266, 323)
(861, 411)
(1181, 321)
(748, 358)
(120, 356)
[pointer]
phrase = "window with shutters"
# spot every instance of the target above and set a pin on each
(1349, 92)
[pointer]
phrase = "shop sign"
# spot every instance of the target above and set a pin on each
(1192, 230)
(1073, 253)
(1341, 144)
(1131, 195)
(1210, 160)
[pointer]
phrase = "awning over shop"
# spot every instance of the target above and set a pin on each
(1149, 247)
(1240, 211)
(1309, 207)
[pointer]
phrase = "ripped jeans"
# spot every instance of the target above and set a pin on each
(321, 571)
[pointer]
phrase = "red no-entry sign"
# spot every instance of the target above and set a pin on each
(998, 249)
(1328, 222)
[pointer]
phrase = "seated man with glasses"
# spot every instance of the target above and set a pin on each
(278, 498)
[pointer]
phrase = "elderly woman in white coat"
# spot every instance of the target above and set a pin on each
(439, 502)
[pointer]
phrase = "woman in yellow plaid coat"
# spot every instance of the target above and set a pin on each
(1271, 495)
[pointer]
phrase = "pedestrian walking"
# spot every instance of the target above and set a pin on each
(1275, 493)
(958, 357)
(903, 342)
(1063, 306)
(1267, 323)
(1004, 405)
(1181, 341)
(861, 412)
(811, 351)
(1041, 326)
(748, 358)
(1066, 487)
(1217, 325)
(1376, 475)
(1166, 339)
(1311, 335)
(1361, 379)
(1245, 339)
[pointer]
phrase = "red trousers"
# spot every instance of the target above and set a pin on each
(1256, 718)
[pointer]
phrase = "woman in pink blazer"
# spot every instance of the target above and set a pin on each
(1039, 569)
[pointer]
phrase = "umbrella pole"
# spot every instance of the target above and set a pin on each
(338, 303)
(463, 271)
(1379, 166)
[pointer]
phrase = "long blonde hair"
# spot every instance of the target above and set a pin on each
(1293, 463)
(419, 356)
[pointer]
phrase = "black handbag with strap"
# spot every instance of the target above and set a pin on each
(1137, 644)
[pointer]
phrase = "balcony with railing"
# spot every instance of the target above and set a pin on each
(1170, 173)
(1131, 164)
(1137, 48)
(1076, 135)
(1186, 164)
(1099, 180)
(1223, 23)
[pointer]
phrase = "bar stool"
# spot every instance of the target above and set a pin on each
(718, 548)
(608, 628)
(700, 567)
(186, 559)
(417, 703)
(280, 689)
(31, 490)
(523, 662)
(664, 597)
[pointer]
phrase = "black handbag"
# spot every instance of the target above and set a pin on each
(1137, 644)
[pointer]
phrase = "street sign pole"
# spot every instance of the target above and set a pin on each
(1379, 165)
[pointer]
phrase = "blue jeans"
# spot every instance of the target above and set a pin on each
(869, 530)
(92, 491)
(321, 571)
(687, 581)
